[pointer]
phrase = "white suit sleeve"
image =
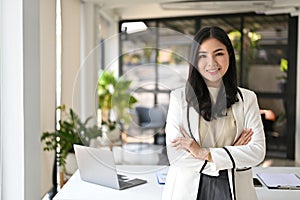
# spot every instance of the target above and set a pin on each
(244, 155)
(178, 157)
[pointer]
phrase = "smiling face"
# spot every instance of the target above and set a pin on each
(213, 61)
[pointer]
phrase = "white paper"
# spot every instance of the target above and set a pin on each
(277, 180)
(161, 176)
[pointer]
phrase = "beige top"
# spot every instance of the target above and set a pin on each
(219, 132)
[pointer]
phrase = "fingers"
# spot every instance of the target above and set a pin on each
(175, 143)
(247, 133)
(183, 131)
(244, 138)
(189, 145)
(182, 142)
(247, 140)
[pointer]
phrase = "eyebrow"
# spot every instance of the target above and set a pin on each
(220, 49)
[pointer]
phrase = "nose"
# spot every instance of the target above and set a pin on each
(211, 62)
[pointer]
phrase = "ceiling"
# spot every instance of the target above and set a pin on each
(144, 9)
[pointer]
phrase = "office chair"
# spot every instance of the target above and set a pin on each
(152, 119)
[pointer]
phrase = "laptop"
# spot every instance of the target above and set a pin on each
(98, 166)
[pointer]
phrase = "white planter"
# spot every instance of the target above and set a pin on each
(71, 164)
(111, 137)
(114, 135)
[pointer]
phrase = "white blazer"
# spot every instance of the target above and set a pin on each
(183, 176)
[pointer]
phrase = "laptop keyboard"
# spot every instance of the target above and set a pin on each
(125, 181)
(123, 177)
(123, 184)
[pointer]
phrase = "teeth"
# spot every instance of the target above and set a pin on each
(212, 70)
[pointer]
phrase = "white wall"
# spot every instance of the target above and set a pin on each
(20, 99)
(31, 98)
(70, 49)
(86, 83)
(12, 102)
(79, 67)
(47, 88)
(111, 39)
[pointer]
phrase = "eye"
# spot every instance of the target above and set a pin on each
(220, 54)
(202, 56)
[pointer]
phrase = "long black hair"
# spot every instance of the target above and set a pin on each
(197, 94)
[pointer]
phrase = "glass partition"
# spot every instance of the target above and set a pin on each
(157, 60)
(265, 48)
(273, 113)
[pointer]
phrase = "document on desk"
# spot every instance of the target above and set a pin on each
(161, 176)
(280, 180)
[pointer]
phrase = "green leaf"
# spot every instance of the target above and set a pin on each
(283, 65)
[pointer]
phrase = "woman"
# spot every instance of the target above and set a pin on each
(214, 129)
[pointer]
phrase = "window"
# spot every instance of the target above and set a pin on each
(265, 49)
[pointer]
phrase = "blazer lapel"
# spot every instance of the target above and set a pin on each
(238, 113)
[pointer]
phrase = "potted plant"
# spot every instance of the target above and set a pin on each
(71, 131)
(115, 100)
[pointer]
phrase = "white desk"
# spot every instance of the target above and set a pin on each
(76, 189)
(264, 193)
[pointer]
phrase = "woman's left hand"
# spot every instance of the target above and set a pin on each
(189, 144)
(244, 138)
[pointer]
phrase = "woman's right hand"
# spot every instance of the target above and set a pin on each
(244, 138)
